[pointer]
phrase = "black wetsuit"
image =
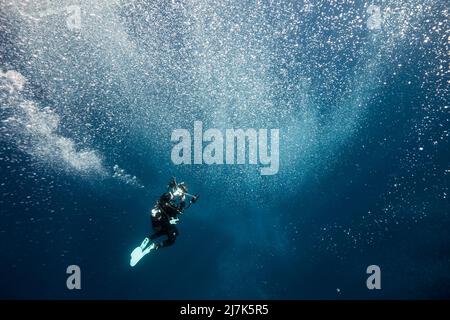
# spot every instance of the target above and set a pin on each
(168, 209)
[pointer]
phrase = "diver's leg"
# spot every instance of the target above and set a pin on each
(171, 237)
(158, 230)
(157, 234)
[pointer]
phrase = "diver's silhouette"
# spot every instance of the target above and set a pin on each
(164, 217)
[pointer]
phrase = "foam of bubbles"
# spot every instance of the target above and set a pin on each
(126, 178)
(35, 130)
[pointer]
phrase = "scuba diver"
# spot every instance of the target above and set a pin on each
(164, 217)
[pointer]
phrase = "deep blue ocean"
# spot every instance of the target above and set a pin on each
(91, 91)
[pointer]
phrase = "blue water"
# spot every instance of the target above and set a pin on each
(364, 164)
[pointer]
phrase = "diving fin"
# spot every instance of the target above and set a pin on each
(139, 252)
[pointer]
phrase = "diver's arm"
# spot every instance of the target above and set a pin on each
(172, 183)
(166, 197)
(182, 206)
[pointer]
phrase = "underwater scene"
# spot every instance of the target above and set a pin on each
(199, 149)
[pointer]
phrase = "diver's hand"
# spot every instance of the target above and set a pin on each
(195, 198)
(174, 220)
